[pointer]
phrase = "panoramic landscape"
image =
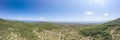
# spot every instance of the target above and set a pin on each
(59, 20)
(16, 30)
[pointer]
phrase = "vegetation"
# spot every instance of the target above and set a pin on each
(15, 30)
(106, 31)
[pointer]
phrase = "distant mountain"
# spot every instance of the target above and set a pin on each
(2, 19)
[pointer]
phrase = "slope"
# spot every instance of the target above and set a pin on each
(15, 30)
(106, 31)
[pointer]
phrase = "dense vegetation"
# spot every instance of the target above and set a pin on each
(15, 30)
(106, 31)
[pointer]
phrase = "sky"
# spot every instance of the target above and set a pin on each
(60, 10)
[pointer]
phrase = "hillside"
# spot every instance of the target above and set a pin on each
(106, 31)
(15, 30)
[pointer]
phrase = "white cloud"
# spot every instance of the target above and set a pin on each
(100, 2)
(89, 13)
(106, 14)
(42, 18)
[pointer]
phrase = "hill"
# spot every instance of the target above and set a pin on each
(106, 31)
(16, 30)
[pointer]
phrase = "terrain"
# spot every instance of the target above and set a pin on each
(16, 30)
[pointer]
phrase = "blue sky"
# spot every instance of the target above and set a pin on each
(60, 10)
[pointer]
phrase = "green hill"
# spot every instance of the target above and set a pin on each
(106, 31)
(16, 30)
